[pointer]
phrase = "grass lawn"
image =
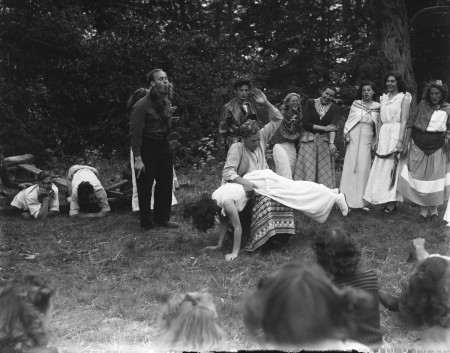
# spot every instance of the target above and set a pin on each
(113, 279)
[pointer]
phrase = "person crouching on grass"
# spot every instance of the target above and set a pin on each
(88, 197)
(314, 200)
(39, 201)
(190, 323)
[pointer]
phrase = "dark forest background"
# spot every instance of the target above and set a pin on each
(67, 67)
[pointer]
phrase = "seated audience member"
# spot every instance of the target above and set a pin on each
(339, 255)
(190, 323)
(39, 201)
(298, 307)
(425, 298)
(314, 200)
(88, 197)
(25, 312)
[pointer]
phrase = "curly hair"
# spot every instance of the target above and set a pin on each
(242, 81)
(336, 251)
(202, 212)
(442, 87)
(426, 298)
(298, 304)
(85, 190)
(286, 100)
(401, 85)
(330, 86)
(360, 87)
(190, 322)
(24, 312)
(151, 74)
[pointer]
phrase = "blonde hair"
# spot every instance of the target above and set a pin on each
(190, 322)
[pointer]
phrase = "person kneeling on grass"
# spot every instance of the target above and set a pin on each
(190, 323)
(39, 201)
(88, 197)
(314, 200)
(425, 298)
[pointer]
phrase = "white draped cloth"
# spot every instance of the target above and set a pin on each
(314, 200)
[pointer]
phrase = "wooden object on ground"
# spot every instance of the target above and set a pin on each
(123, 195)
(14, 160)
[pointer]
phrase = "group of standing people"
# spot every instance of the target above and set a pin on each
(410, 157)
(410, 149)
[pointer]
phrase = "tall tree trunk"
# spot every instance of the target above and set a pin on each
(394, 41)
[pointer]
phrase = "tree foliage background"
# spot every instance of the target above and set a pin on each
(67, 67)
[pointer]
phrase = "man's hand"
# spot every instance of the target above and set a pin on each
(139, 166)
(51, 193)
(44, 192)
(259, 96)
(25, 185)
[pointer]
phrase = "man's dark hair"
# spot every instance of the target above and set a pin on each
(151, 74)
(85, 189)
(242, 81)
(44, 175)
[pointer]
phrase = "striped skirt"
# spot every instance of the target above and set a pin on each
(424, 179)
(269, 217)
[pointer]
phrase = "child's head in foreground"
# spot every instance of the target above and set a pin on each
(298, 306)
(426, 298)
(336, 251)
(25, 313)
(190, 322)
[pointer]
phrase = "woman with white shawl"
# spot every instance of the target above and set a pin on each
(359, 133)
